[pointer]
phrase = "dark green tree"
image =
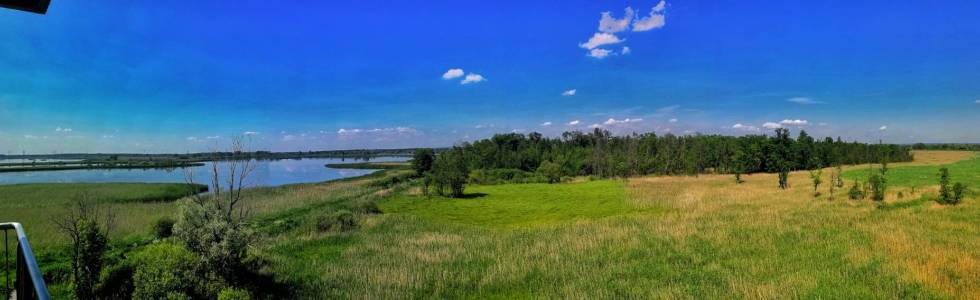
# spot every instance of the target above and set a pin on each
(450, 173)
(422, 161)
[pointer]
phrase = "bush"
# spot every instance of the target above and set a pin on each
(422, 161)
(878, 186)
(341, 220)
(958, 191)
(450, 173)
(221, 242)
(234, 294)
(550, 171)
(163, 228)
(855, 192)
(164, 271)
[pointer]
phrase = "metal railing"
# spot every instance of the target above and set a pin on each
(28, 282)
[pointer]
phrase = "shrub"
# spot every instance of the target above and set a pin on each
(221, 242)
(163, 227)
(422, 161)
(784, 179)
(551, 171)
(341, 220)
(855, 192)
(945, 193)
(92, 245)
(234, 294)
(164, 271)
(878, 186)
(450, 173)
(958, 191)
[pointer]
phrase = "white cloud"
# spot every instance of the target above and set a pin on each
(674, 120)
(288, 138)
(573, 123)
(626, 50)
(473, 78)
(655, 20)
(30, 137)
(213, 137)
(660, 6)
(822, 124)
(599, 53)
(60, 129)
(612, 121)
(594, 126)
(797, 122)
(546, 124)
(771, 125)
(389, 131)
(191, 138)
(883, 128)
(108, 136)
(570, 92)
(481, 126)
(452, 74)
(804, 100)
(517, 131)
(977, 102)
(601, 38)
(345, 131)
(749, 128)
(610, 24)
(666, 110)
(250, 133)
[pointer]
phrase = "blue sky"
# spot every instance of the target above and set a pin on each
(176, 76)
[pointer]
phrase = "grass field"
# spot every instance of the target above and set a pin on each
(966, 171)
(655, 237)
(135, 205)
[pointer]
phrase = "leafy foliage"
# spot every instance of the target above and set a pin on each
(164, 271)
(422, 161)
(450, 173)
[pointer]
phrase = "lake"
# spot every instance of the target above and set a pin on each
(266, 173)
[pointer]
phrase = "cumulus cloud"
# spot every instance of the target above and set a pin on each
(626, 50)
(570, 92)
(655, 20)
(473, 78)
(610, 24)
(612, 121)
(797, 122)
(749, 128)
(452, 74)
(546, 124)
(573, 123)
(804, 100)
(771, 125)
(601, 38)
(599, 53)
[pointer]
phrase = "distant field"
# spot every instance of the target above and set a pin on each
(135, 205)
(656, 237)
(966, 171)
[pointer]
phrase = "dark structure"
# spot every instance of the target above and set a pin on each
(34, 6)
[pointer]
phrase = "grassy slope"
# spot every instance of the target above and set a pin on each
(135, 205)
(669, 237)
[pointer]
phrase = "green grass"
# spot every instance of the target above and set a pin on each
(135, 205)
(966, 171)
(523, 205)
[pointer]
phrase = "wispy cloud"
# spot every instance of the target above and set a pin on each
(600, 39)
(473, 78)
(573, 123)
(656, 19)
(883, 128)
(599, 53)
(63, 129)
(452, 74)
(594, 126)
(570, 92)
(610, 24)
(797, 122)
(746, 128)
(546, 124)
(771, 125)
(804, 100)
(250, 133)
(612, 121)
(626, 50)
(673, 120)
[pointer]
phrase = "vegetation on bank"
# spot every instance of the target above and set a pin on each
(97, 165)
(372, 166)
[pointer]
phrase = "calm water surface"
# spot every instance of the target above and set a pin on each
(267, 173)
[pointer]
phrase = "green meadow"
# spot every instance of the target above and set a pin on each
(662, 237)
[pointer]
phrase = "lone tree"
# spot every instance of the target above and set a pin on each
(550, 170)
(450, 172)
(87, 228)
(815, 175)
(422, 161)
(949, 195)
